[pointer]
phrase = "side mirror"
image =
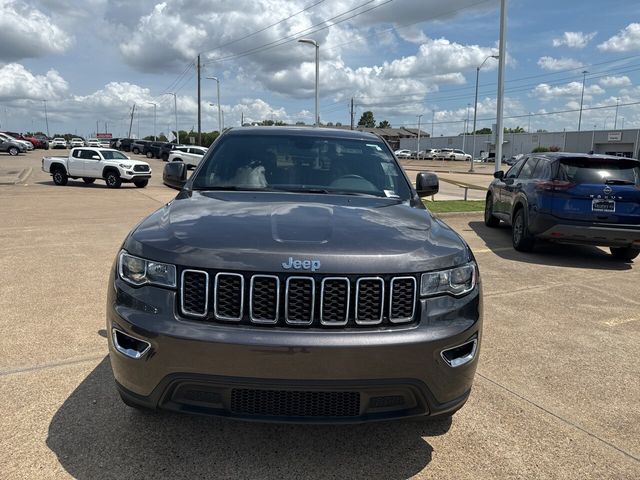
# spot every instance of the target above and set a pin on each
(427, 184)
(95, 157)
(175, 175)
(499, 174)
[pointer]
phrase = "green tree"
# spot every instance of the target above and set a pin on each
(518, 129)
(384, 124)
(367, 120)
(484, 131)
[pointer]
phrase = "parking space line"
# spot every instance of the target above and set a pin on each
(555, 415)
(44, 366)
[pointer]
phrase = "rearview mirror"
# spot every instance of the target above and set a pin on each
(499, 174)
(427, 184)
(175, 175)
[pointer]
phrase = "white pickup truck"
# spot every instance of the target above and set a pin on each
(107, 164)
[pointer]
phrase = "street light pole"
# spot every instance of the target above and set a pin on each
(475, 108)
(418, 152)
(46, 117)
(155, 138)
(501, 71)
(317, 45)
(584, 76)
(175, 107)
(615, 119)
(220, 127)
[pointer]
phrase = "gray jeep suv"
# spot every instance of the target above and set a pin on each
(296, 277)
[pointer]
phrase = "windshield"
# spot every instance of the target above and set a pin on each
(605, 170)
(113, 155)
(303, 163)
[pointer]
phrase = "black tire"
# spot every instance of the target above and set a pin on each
(60, 177)
(490, 220)
(522, 239)
(13, 151)
(113, 179)
(141, 183)
(135, 150)
(165, 157)
(626, 254)
(88, 180)
(149, 154)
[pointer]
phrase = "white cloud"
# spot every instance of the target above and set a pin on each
(26, 32)
(615, 81)
(574, 39)
(553, 64)
(545, 91)
(16, 82)
(624, 41)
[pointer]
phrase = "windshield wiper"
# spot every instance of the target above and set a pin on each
(328, 191)
(233, 188)
(615, 181)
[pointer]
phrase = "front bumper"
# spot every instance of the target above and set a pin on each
(548, 227)
(283, 374)
(135, 176)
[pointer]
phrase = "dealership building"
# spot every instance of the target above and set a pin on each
(625, 143)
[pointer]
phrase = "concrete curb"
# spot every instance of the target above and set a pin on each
(23, 175)
(479, 214)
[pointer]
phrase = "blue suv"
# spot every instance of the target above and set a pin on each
(569, 198)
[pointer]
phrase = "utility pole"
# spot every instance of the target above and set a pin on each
(615, 119)
(155, 138)
(584, 76)
(433, 121)
(352, 113)
(418, 150)
(242, 119)
(475, 108)
(317, 47)
(97, 128)
(199, 117)
(46, 117)
(501, 70)
(131, 122)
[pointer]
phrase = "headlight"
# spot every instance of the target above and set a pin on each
(456, 281)
(124, 165)
(138, 271)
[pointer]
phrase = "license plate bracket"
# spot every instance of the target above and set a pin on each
(603, 205)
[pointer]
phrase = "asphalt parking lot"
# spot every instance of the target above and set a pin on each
(556, 394)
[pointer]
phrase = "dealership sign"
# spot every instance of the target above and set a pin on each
(104, 135)
(614, 136)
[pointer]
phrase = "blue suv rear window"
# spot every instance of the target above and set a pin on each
(599, 171)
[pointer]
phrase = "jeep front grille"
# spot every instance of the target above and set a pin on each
(287, 300)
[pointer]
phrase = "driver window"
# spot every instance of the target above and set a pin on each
(513, 171)
(87, 154)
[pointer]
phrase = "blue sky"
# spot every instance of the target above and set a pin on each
(93, 60)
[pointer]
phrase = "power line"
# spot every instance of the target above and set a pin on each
(265, 28)
(307, 31)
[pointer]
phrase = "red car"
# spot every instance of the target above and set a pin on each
(37, 142)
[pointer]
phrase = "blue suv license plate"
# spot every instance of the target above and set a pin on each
(600, 205)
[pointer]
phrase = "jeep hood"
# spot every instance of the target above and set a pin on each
(258, 231)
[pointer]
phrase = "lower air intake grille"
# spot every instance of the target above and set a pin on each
(284, 403)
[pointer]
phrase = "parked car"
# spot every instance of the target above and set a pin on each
(10, 138)
(137, 146)
(168, 147)
(21, 138)
(249, 262)
(11, 147)
(76, 142)
(453, 154)
(403, 153)
(93, 142)
(104, 142)
(90, 164)
(43, 139)
(191, 156)
(113, 143)
(569, 198)
(58, 142)
(153, 149)
(124, 144)
(427, 154)
(38, 142)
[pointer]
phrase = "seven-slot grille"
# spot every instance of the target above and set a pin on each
(297, 300)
